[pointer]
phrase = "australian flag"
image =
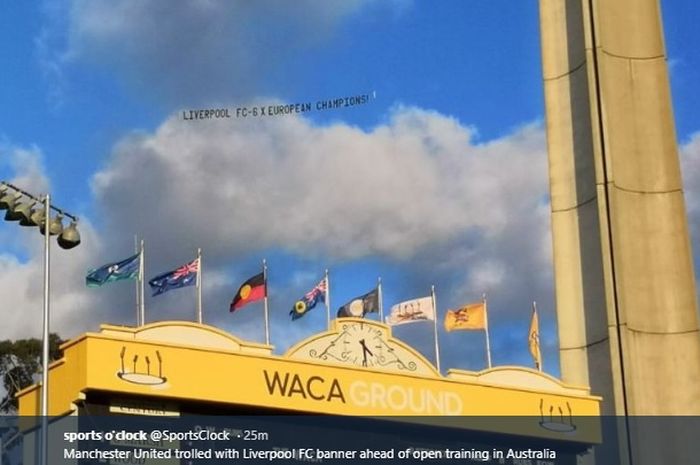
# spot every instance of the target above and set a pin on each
(125, 269)
(309, 300)
(184, 276)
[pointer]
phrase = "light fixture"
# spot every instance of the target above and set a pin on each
(27, 214)
(70, 237)
(19, 212)
(32, 214)
(38, 216)
(55, 225)
(7, 201)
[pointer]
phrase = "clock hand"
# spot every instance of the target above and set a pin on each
(364, 347)
(365, 351)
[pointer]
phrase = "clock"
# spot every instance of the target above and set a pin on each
(362, 343)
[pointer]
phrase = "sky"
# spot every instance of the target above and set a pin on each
(436, 175)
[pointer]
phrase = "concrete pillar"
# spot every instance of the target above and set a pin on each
(625, 286)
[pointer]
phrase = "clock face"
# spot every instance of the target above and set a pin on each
(363, 345)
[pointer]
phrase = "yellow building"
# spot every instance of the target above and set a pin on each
(356, 368)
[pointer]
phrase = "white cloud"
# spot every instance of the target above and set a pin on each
(690, 164)
(27, 166)
(336, 190)
(21, 284)
(488, 275)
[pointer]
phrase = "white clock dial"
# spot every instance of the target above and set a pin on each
(362, 344)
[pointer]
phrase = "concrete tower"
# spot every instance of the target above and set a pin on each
(625, 287)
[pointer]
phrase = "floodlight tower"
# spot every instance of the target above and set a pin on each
(625, 287)
(28, 210)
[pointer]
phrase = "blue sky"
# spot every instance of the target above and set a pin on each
(440, 178)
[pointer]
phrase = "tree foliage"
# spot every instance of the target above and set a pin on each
(20, 366)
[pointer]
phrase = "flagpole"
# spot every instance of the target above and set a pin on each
(328, 301)
(199, 286)
(44, 452)
(435, 332)
(142, 275)
(486, 329)
(381, 303)
(138, 284)
(267, 318)
(538, 362)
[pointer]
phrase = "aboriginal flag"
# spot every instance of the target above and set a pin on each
(250, 291)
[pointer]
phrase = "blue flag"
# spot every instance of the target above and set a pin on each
(309, 300)
(184, 276)
(125, 269)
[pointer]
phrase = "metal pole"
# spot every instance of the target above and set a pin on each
(138, 284)
(142, 279)
(45, 343)
(435, 332)
(328, 301)
(267, 317)
(486, 329)
(379, 296)
(199, 286)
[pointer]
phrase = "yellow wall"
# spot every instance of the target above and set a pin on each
(114, 362)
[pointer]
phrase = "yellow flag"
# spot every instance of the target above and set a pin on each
(471, 316)
(534, 340)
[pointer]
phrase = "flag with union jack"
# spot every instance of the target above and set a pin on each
(309, 301)
(184, 276)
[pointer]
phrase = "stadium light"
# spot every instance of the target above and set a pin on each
(27, 209)
(68, 238)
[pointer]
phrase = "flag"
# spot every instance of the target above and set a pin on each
(250, 291)
(412, 310)
(470, 316)
(125, 269)
(360, 306)
(184, 276)
(534, 340)
(309, 300)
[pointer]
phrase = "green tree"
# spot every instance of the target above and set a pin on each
(20, 365)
